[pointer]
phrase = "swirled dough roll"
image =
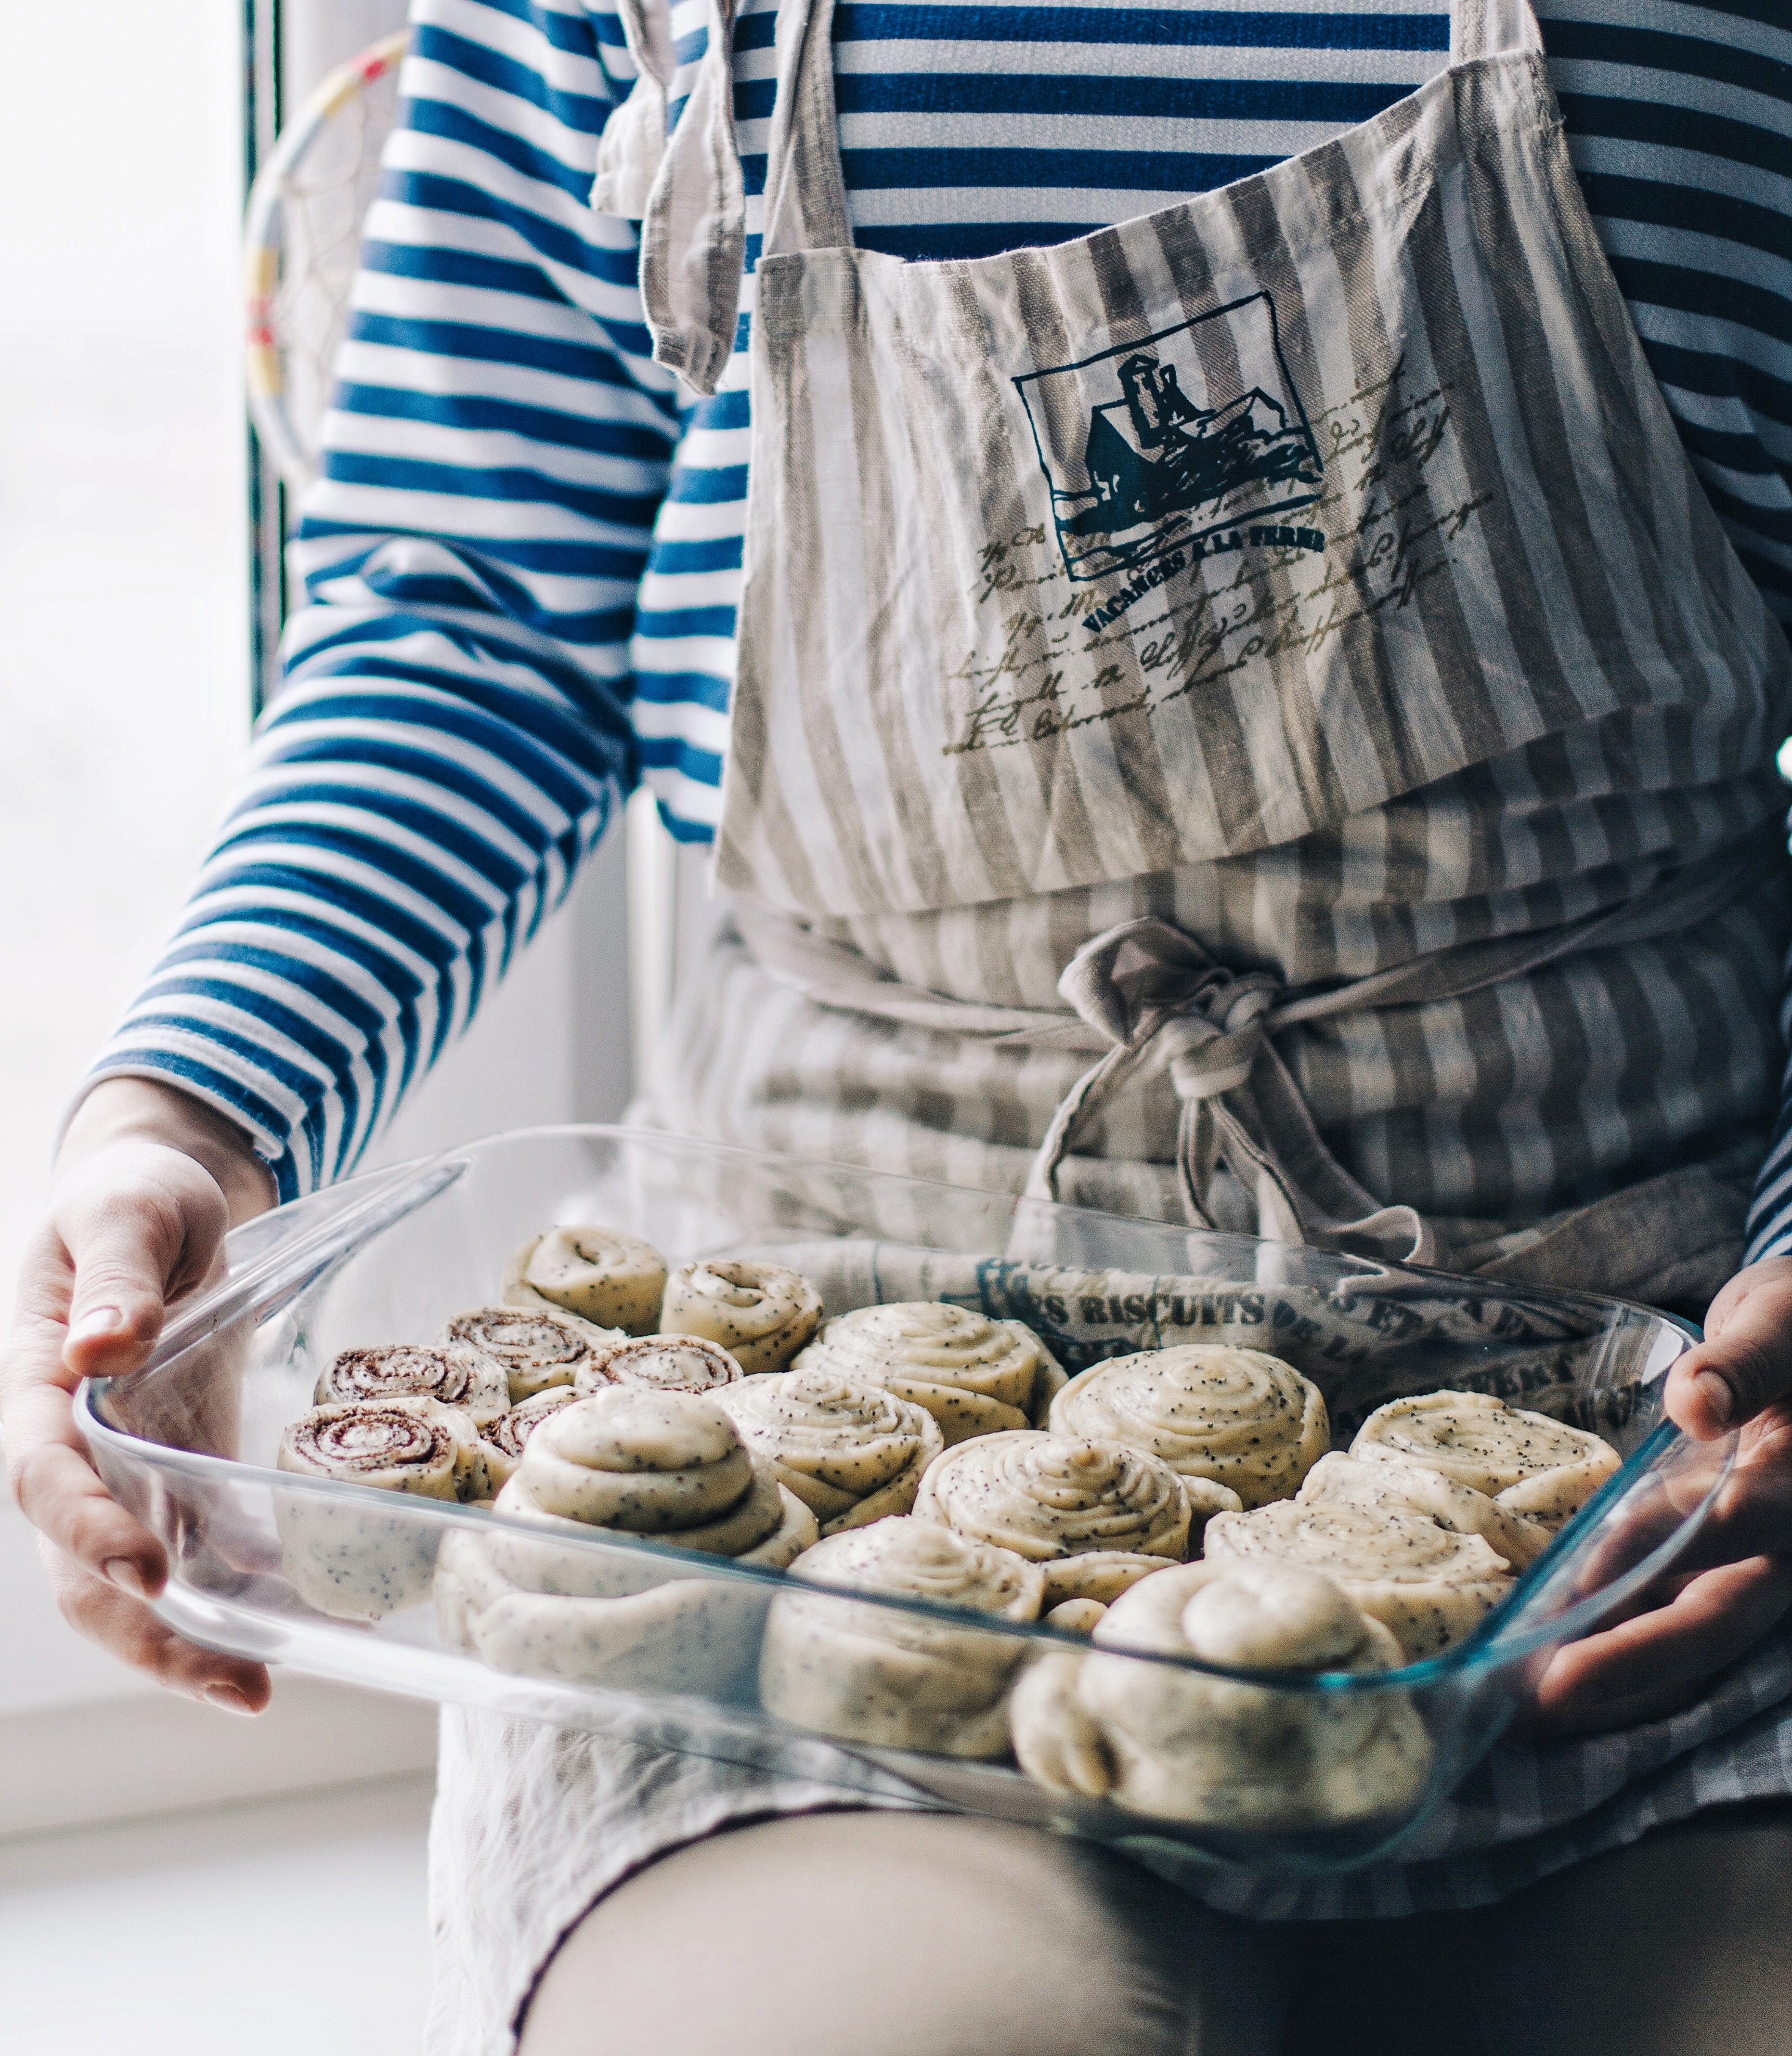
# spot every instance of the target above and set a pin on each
(1097, 1516)
(666, 1363)
(1397, 1487)
(454, 1373)
(633, 1463)
(614, 1281)
(1429, 1587)
(877, 1674)
(974, 1375)
(1245, 1419)
(503, 1440)
(760, 1313)
(852, 1453)
(353, 1561)
(1158, 1740)
(538, 1347)
(1533, 1466)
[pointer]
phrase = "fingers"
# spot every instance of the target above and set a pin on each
(127, 1629)
(139, 1226)
(1745, 1362)
(1653, 1664)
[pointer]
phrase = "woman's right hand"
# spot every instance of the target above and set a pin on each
(147, 1182)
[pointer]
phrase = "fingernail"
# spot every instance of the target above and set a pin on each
(226, 1699)
(127, 1577)
(1714, 1390)
(97, 1320)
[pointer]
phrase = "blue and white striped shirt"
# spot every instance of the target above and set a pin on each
(522, 562)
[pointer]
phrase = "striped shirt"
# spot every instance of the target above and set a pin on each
(522, 562)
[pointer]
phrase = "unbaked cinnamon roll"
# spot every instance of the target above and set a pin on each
(1095, 1516)
(538, 1347)
(1393, 1486)
(1160, 1740)
(879, 1674)
(454, 1373)
(536, 1600)
(852, 1453)
(975, 1376)
(1243, 1419)
(351, 1560)
(665, 1363)
(1429, 1587)
(503, 1440)
(614, 1281)
(760, 1312)
(1530, 1464)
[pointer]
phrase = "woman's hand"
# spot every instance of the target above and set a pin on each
(1736, 1580)
(147, 1183)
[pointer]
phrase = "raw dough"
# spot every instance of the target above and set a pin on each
(880, 1675)
(851, 1452)
(1096, 1516)
(530, 1595)
(456, 1373)
(1532, 1465)
(351, 1560)
(613, 1280)
(975, 1376)
(503, 1440)
(1158, 1739)
(1431, 1587)
(538, 1347)
(761, 1313)
(1394, 1486)
(667, 1363)
(1237, 1415)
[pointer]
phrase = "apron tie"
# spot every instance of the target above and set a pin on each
(1165, 1004)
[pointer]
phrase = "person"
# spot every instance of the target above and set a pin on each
(1267, 541)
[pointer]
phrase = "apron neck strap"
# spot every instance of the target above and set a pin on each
(806, 188)
(1492, 29)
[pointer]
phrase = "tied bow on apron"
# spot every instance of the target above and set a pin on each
(1163, 1003)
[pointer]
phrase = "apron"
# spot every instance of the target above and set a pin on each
(1239, 714)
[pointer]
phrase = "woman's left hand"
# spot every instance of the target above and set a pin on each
(1737, 1580)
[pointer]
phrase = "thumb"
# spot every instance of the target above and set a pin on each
(139, 1224)
(1745, 1362)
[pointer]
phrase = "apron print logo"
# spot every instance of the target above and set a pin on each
(1152, 445)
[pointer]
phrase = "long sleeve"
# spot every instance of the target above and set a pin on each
(454, 730)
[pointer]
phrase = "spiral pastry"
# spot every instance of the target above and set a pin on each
(631, 1462)
(665, 1363)
(614, 1281)
(344, 1559)
(1431, 1588)
(879, 1674)
(503, 1440)
(1156, 1739)
(1392, 1486)
(975, 1376)
(453, 1374)
(1244, 1419)
(1531, 1464)
(1097, 1516)
(852, 1453)
(538, 1348)
(760, 1313)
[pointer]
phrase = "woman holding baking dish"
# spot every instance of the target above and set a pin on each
(1247, 681)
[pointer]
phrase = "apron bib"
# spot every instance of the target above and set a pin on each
(1228, 528)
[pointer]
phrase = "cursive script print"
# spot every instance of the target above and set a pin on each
(1063, 654)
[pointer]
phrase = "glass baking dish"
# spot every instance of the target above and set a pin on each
(1280, 1772)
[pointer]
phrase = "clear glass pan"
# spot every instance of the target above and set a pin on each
(1281, 1771)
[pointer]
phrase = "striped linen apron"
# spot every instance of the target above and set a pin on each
(1247, 713)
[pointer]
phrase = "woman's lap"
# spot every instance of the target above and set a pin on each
(927, 1935)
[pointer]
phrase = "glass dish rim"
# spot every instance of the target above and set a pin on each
(396, 1190)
